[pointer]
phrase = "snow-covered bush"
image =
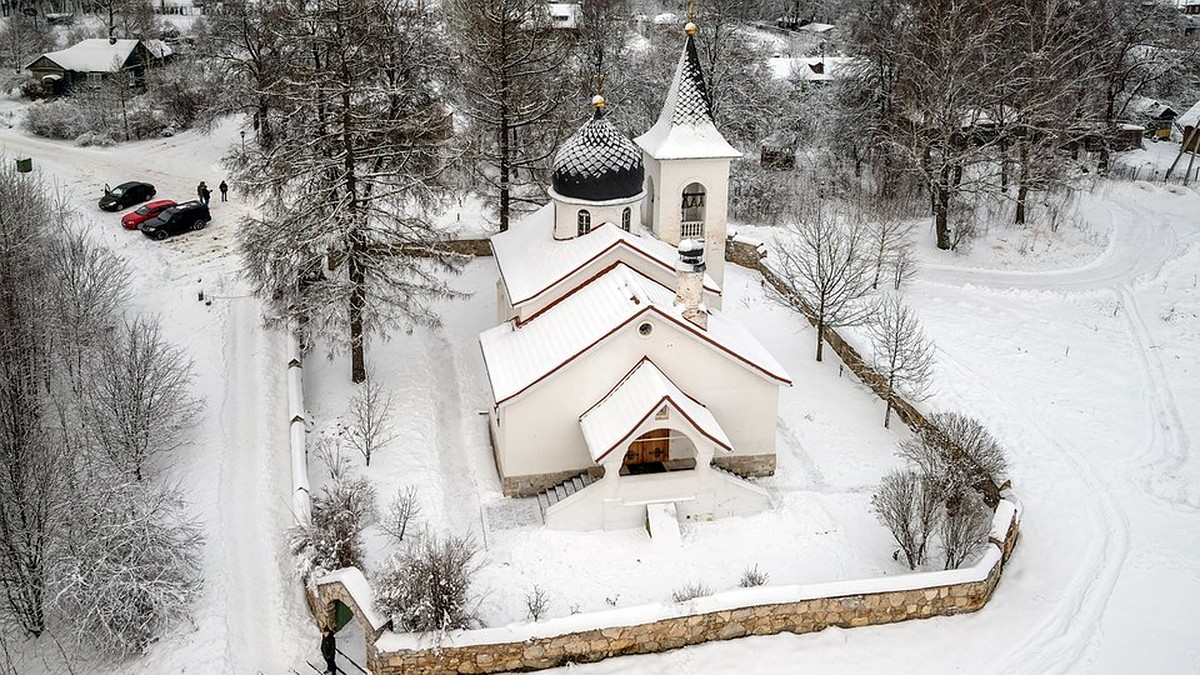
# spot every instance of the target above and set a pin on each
(691, 591)
(425, 587)
(752, 576)
(57, 119)
(146, 123)
(333, 539)
(100, 139)
(130, 567)
(908, 504)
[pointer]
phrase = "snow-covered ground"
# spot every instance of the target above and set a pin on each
(1081, 355)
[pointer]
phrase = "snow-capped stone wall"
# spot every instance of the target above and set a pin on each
(656, 628)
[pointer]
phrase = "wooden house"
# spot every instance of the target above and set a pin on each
(91, 61)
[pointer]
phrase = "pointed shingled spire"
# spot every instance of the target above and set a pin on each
(685, 127)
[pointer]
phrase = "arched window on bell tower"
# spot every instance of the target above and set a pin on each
(692, 212)
(585, 221)
(626, 216)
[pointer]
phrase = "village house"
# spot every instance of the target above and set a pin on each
(620, 391)
(91, 61)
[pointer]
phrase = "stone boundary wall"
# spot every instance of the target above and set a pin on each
(805, 615)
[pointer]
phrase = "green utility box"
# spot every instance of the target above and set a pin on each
(24, 164)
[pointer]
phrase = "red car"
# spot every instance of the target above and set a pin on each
(147, 211)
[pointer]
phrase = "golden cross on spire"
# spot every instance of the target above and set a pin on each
(692, 11)
(599, 79)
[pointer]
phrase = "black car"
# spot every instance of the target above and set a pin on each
(125, 195)
(191, 215)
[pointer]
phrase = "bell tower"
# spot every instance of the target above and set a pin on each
(687, 165)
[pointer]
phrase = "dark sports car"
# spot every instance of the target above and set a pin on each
(191, 215)
(125, 195)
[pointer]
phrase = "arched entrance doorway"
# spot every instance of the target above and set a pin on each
(659, 451)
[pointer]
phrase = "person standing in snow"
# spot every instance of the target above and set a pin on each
(224, 191)
(202, 192)
(329, 650)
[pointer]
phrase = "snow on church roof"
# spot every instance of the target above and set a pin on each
(641, 393)
(519, 358)
(531, 262)
(685, 127)
(598, 163)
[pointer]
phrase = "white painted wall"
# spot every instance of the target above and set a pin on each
(539, 431)
(566, 213)
(669, 178)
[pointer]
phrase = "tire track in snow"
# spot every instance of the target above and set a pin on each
(1057, 644)
(1168, 449)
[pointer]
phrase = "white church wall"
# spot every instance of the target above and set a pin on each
(543, 424)
(669, 179)
(566, 214)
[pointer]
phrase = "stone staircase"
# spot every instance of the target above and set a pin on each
(556, 494)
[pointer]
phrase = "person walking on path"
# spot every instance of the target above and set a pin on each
(329, 650)
(224, 191)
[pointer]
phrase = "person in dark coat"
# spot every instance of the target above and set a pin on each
(224, 191)
(200, 190)
(329, 650)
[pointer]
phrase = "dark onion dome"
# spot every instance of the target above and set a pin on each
(598, 163)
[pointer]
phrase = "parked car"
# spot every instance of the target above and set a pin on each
(147, 211)
(191, 215)
(125, 195)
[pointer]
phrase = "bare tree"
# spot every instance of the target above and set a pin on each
(907, 503)
(426, 587)
(902, 353)
(22, 39)
(826, 271)
(371, 419)
(129, 568)
(138, 404)
(401, 512)
(891, 235)
(345, 243)
(959, 453)
(513, 79)
(537, 601)
(33, 466)
(964, 529)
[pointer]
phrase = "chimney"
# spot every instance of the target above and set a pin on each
(689, 287)
(112, 40)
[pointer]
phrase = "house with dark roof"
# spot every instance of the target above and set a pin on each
(90, 62)
(619, 390)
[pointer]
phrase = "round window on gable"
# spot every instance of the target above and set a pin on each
(645, 328)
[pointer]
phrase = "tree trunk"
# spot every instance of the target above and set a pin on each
(941, 208)
(1023, 185)
(820, 335)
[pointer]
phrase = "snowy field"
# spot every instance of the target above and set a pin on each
(1080, 354)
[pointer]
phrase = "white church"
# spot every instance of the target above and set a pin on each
(620, 391)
